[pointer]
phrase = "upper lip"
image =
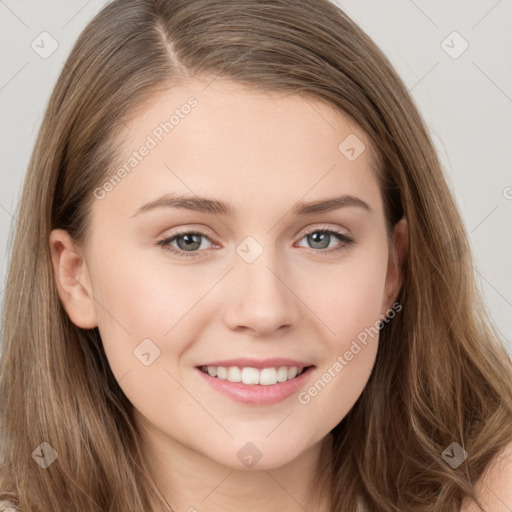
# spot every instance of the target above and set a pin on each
(258, 363)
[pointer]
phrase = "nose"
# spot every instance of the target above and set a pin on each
(260, 297)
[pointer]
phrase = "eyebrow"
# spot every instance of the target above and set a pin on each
(213, 206)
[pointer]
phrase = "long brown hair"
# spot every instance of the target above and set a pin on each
(441, 374)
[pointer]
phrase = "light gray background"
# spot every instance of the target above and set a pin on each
(466, 102)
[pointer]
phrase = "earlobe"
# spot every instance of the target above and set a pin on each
(397, 257)
(72, 279)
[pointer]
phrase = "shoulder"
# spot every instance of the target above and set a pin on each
(494, 488)
(6, 506)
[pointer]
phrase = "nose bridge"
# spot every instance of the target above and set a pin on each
(262, 299)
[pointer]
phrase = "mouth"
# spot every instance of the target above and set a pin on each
(251, 376)
(256, 386)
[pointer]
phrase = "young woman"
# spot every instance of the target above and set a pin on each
(239, 281)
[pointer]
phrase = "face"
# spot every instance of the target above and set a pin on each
(267, 281)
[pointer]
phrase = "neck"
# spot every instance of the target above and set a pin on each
(191, 482)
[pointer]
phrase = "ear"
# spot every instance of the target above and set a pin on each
(397, 256)
(72, 279)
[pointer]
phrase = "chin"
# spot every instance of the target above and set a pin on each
(260, 454)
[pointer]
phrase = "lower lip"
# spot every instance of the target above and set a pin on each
(258, 394)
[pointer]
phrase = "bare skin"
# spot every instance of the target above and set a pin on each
(262, 153)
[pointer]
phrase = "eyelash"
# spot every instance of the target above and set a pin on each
(345, 239)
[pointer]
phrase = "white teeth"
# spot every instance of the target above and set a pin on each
(282, 374)
(234, 374)
(248, 375)
(268, 376)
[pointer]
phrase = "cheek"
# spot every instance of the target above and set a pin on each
(347, 298)
(350, 306)
(140, 298)
(141, 319)
(137, 301)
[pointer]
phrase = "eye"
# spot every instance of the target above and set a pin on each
(321, 239)
(189, 242)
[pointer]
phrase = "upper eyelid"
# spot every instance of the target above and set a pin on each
(315, 227)
(337, 232)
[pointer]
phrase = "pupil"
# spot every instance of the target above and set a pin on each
(189, 238)
(325, 236)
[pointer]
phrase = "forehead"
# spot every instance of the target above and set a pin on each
(222, 140)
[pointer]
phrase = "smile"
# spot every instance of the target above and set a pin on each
(251, 376)
(253, 386)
